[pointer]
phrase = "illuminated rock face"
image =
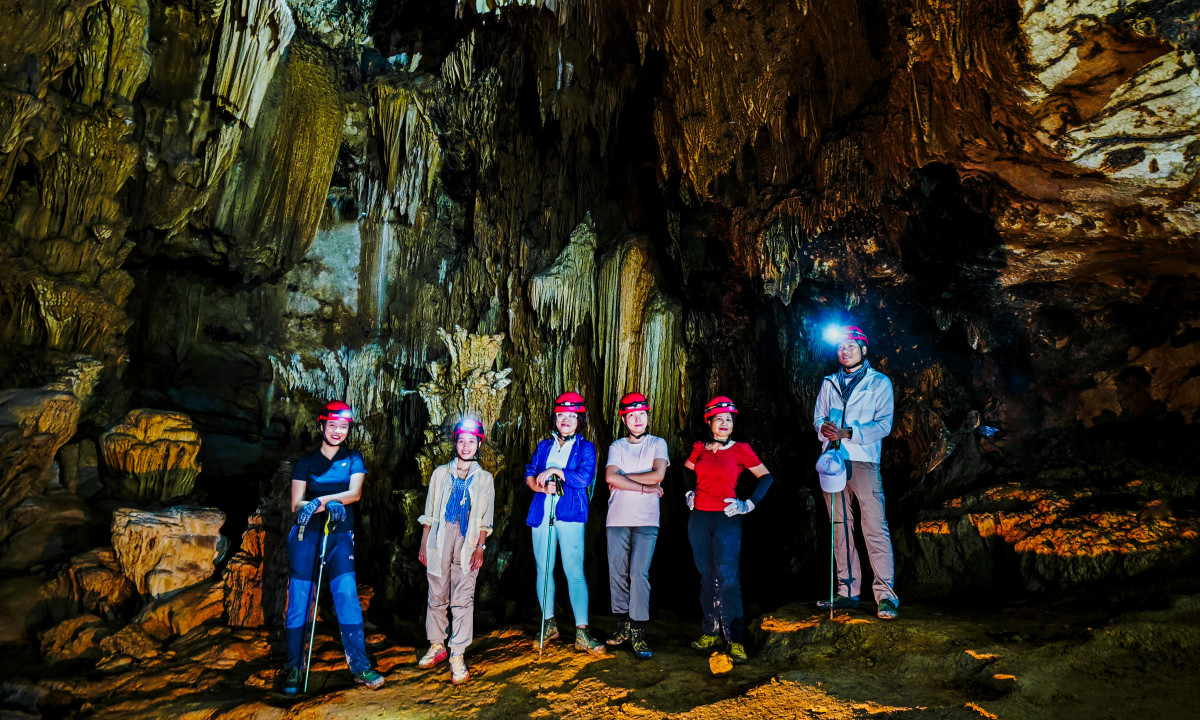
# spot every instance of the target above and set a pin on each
(153, 454)
(240, 210)
(167, 550)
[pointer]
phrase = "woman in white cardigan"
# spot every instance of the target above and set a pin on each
(458, 519)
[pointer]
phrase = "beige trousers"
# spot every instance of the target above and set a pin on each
(453, 591)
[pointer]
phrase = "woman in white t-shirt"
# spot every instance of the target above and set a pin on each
(637, 464)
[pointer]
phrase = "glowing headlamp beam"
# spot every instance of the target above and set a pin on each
(833, 334)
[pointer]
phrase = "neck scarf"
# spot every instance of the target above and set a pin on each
(847, 381)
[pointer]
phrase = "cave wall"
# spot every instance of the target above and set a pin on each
(241, 209)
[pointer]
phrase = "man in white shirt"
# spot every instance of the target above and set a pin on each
(854, 409)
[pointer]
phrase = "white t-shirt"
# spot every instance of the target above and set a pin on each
(627, 508)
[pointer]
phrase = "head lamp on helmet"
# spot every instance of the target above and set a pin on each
(632, 402)
(570, 402)
(468, 426)
(716, 406)
(336, 410)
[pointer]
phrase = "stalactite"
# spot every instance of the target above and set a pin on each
(640, 338)
(254, 34)
(564, 294)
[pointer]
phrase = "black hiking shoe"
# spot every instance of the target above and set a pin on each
(621, 635)
(291, 682)
(637, 637)
(841, 602)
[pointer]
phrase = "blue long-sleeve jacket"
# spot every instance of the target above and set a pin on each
(580, 473)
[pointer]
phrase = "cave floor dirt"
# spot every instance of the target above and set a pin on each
(1061, 660)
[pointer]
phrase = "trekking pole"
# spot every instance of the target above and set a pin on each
(832, 545)
(312, 633)
(549, 571)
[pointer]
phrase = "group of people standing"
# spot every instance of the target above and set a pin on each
(853, 413)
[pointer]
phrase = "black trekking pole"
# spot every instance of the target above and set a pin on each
(549, 571)
(316, 593)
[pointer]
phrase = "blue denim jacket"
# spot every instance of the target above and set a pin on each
(580, 473)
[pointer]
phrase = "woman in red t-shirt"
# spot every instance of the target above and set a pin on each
(715, 524)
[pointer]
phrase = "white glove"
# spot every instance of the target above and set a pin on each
(738, 507)
(689, 498)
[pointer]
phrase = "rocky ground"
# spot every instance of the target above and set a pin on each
(1119, 655)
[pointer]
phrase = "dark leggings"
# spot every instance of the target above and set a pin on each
(717, 547)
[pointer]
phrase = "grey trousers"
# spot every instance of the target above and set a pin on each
(454, 590)
(865, 484)
(630, 550)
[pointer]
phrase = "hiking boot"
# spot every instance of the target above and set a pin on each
(291, 682)
(841, 602)
(887, 610)
(637, 637)
(737, 653)
(584, 642)
(435, 655)
(705, 641)
(621, 635)
(370, 678)
(458, 669)
(550, 632)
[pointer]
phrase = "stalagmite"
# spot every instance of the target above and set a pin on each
(153, 454)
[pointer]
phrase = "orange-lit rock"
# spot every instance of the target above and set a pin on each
(152, 454)
(169, 549)
(77, 638)
(178, 614)
(34, 424)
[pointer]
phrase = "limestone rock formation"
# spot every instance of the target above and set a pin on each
(34, 424)
(152, 455)
(91, 583)
(255, 579)
(178, 614)
(169, 549)
(76, 639)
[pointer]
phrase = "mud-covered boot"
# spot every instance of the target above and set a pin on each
(706, 641)
(637, 637)
(585, 642)
(621, 635)
(291, 682)
(548, 633)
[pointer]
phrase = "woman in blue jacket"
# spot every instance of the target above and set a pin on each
(561, 474)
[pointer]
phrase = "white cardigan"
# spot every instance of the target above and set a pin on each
(482, 492)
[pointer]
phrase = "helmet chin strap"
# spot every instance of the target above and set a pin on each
(638, 436)
(853, 368)
(562, 437)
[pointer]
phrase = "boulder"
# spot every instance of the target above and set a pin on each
(152, 455)
(91, 583)
(179, 613)
(34, 424)
(80, 468)
(256, 578)
(130, 641)
(74, 639)
(169, 549)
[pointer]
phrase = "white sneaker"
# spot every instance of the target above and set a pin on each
(458, 669)
(436, 654)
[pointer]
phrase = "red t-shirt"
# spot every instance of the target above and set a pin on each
(717, 473)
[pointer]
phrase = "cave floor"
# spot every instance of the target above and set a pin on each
(1065, 659)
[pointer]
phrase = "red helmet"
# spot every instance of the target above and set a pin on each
(718, 405)
(851, 332)
(570, 402)
(632, 402)
(336, 409)
(468, 426)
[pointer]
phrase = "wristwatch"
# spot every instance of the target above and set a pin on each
(480, 547)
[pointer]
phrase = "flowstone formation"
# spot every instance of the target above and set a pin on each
(235, 211)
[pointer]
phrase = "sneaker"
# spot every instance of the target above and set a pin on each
(621, 635)
(435, 655)
(737, 653)
(550, 633)
(584, 642)
(637, 637)
(370, 678)
(841, 602)
(458, 669)
(291, 682)
(887, 609)
(705, 641)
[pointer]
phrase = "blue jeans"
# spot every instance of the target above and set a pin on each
(343, 586)
(568, 538)
(717, 547)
